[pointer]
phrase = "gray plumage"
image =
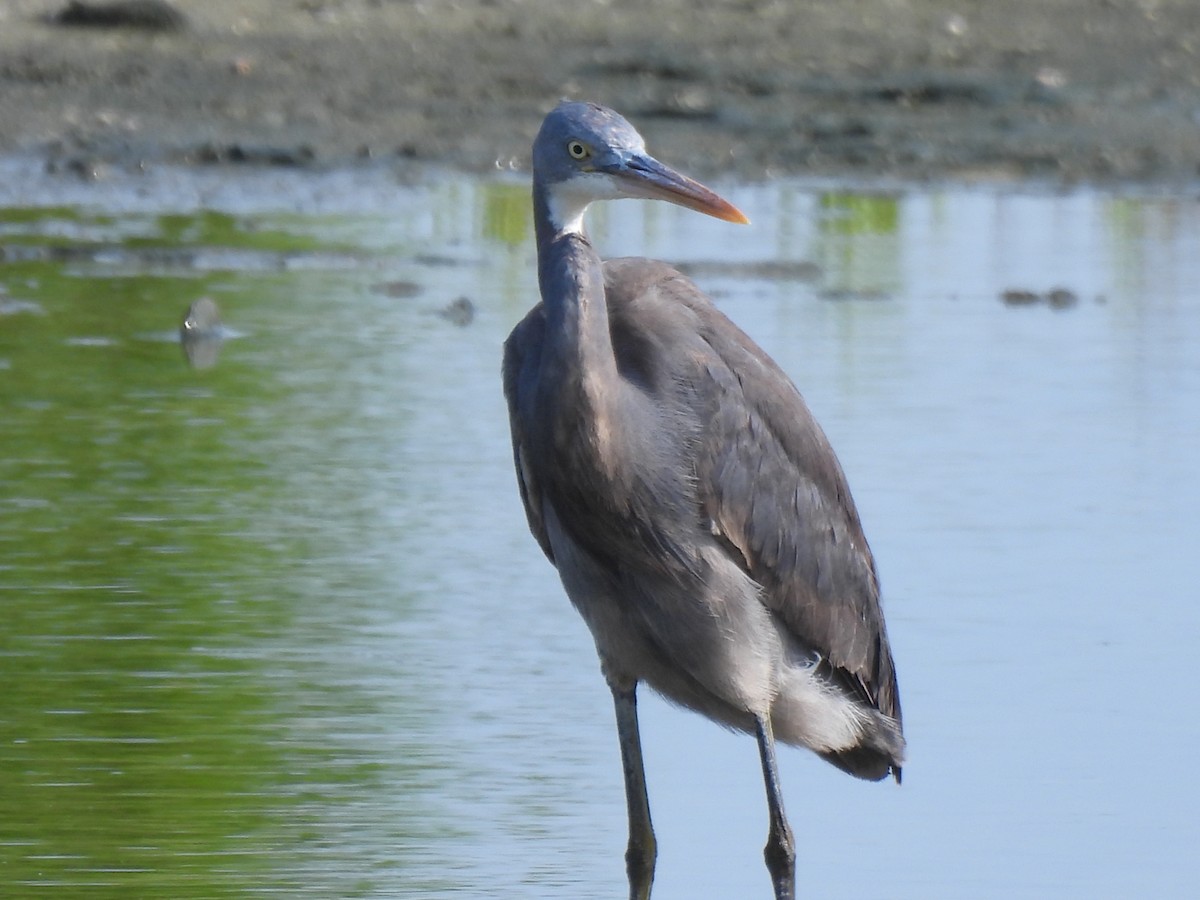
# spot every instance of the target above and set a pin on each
(696, 513)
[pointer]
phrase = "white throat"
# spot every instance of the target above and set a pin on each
(568, 200)
(566, 208)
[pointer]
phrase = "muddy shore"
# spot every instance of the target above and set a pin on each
(1097, 90)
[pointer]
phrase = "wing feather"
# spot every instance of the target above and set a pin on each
(774, 492)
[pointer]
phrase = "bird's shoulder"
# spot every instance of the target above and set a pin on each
(663, 326)
(520, 341)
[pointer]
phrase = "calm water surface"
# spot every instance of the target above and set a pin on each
(276, 627)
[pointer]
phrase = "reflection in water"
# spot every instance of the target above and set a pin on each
(858, 245)
(851, 213)
(507, 213)
(278, 629)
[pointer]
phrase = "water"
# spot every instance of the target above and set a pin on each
(276, 627)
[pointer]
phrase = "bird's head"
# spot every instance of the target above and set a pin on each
(586, 152)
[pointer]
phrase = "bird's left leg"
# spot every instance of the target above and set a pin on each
(780, 851)
(642, 850)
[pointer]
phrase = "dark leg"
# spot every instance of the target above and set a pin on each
(780, 851)
(640, 856)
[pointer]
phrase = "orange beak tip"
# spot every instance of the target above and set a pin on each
(734, 215)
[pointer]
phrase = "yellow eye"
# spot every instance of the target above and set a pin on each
(577, 150)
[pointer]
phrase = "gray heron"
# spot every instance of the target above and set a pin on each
(694, 509)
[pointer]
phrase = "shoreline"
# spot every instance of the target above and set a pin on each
(887, 91)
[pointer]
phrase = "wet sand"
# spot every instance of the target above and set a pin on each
(1098, 90)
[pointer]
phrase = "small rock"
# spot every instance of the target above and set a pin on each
(1056, 298)
(148, 15)
(1014, 297)
(1061, 298)
(460, 311)
(220, 154)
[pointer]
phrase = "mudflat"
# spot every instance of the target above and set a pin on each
(1061, 90)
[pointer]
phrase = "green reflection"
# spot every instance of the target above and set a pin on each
(209, 228)
(507, 216)
(857, 245)
(163, 730)
(63, 228)
(859, 213)
(134, 750)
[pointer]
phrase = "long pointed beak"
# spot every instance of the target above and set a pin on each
(644, 176)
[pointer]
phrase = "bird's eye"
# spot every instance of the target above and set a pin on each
(577, 150)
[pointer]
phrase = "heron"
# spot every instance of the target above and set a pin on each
(697, 515)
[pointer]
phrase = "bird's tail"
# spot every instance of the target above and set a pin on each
(881, 752)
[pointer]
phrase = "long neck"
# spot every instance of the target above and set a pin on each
(577, 327)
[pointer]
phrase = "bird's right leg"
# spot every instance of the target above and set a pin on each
(642, 850)
(780, 851)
